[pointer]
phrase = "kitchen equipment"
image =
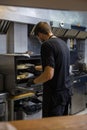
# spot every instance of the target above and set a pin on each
(82, 66)
(78, 93)
(3, 107)
(16, 69)
(1, 82)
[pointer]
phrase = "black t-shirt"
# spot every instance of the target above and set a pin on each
(55, 53)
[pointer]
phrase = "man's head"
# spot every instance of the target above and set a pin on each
(43, 31)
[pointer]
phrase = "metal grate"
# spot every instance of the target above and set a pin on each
(71, 33)
(82, 35)
(58, 31)
(4, 25)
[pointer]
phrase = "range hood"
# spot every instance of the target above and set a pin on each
(82, 35)
(62, 32)
(4, 25)
(9, 15)
(66, 31)
(77, 32)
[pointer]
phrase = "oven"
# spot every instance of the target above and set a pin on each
(3, 107)
(17, 69)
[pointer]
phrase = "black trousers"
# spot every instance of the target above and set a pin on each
(56, 110)
(59, 110)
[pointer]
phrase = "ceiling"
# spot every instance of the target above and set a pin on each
(80, 5)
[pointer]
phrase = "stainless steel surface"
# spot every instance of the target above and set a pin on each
(68, 32)
(17, 87)
(82, 34)
(1, 82)
(24, 15)
(59, 31)
(71, 33)
(4, 95)
(59, 17)
(3, 106)
(18, 14)
(24, 104)
(17, 38)
(9, 68)
(78, 102)
(11, 104)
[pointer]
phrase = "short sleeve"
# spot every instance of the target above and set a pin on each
(47, 55)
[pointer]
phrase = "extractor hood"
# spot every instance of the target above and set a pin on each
(77, 32)
(32, 16)
(59, 31)
(66, 31)
(82, 35)
(4, 25)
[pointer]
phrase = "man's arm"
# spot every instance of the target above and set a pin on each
(45, 76)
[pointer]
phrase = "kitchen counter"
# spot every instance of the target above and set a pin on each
(76, 122)
(78, 75)
(78, 102)
(78, 78)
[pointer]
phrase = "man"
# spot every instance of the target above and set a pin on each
(55, 58)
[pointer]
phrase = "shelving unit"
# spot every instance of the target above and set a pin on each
(16, 70)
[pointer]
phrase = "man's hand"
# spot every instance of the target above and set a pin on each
(38, 67)
(30, 82)
(33, 70)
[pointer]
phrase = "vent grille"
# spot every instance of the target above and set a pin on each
(71, 33)
(82, 35)
(58, 31)
(4, 25)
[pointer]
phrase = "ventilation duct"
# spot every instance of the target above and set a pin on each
(80, 28)
(67, 31)
(62, 32)
(4, 25)
(82, 35)
(70, 31)
(59, 32)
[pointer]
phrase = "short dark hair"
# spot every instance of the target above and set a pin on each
(42, 27)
